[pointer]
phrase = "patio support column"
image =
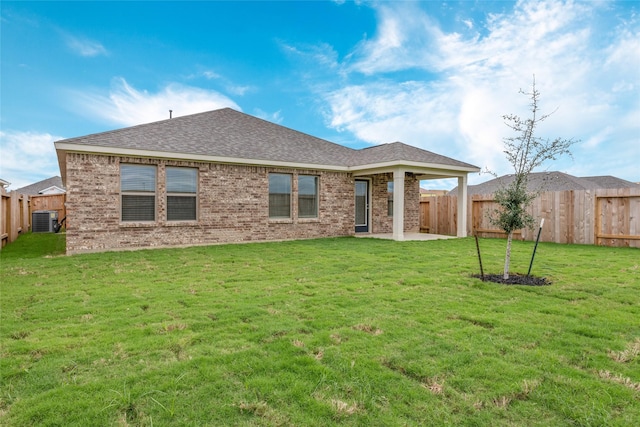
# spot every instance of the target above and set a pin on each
(398, 204)
(462, 206)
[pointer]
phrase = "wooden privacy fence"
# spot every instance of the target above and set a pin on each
(438, 215)
(16, 210)
(14, 216)
(51, 202)
(601, 217)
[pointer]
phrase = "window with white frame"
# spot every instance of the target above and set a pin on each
(137, 193)
(279, 195)
(307, 196)
(182, 199)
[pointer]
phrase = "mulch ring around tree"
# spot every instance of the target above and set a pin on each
(515, 279)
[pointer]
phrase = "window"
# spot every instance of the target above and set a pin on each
(307, 196)
(279, 195)
(182, 185)
(390, 198)
(138, 192)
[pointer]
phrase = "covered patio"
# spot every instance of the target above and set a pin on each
(424, 165)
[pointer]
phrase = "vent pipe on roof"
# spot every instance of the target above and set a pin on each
(170, 113)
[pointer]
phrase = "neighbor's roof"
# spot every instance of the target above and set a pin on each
(608, 181)
(552, 181)
(227, 135)
(36, 188)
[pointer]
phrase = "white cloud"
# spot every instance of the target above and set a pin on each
(318, 55)
(208, 74)
(271, 117)
(239, 90)
(470, 82)
(127, 106)
(227, 84)
(27, 157)
(405, 39)
(84, 46)
(387, 112)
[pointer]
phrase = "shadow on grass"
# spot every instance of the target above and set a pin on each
(514, 279)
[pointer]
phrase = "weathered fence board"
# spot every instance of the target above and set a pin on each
(616, 219)
(602, 217)
(425, 215)
(16, 210)
(14, 216)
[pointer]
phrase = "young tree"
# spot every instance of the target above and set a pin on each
(525, 152)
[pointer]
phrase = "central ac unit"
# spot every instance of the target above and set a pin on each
(43, 221)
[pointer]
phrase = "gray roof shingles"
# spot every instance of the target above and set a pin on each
(231, 134)
(35, 188)
(608, 181)
(400, 151)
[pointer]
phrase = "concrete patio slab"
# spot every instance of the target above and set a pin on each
(407, 236)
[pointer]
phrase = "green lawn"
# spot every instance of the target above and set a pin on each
(314, 333)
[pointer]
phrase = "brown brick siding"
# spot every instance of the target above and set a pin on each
(381, 221)
(411, 204)
(232, 206)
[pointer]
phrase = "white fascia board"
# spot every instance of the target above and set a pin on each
(414, 167)
(129, 152)
(445, 173)
(62, 163)
(54, 189)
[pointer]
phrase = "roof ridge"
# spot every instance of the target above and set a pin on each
(286, 127)
(140, 125)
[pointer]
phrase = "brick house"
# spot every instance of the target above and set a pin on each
(223, 176)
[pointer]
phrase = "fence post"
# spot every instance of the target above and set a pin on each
(4, 235)
(13, 216)
(26, 218)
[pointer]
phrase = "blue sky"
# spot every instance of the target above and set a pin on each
(436, 75)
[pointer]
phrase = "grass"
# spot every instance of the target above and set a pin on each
(322, 332)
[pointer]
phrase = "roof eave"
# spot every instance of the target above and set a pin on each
(64, 147)
(62, 163)
(419, 168)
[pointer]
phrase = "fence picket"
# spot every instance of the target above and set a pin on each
(605, 217)
(16, 210)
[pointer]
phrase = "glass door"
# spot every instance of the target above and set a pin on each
(362, 206)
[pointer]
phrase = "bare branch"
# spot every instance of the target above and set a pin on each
(525, 152)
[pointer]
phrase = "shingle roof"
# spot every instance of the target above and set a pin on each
(36, 187)
(227, 133)
(399, 151)
(608, 181)
(551, 181)
(223, 133)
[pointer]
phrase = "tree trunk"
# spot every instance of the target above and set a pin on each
(507, 257)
